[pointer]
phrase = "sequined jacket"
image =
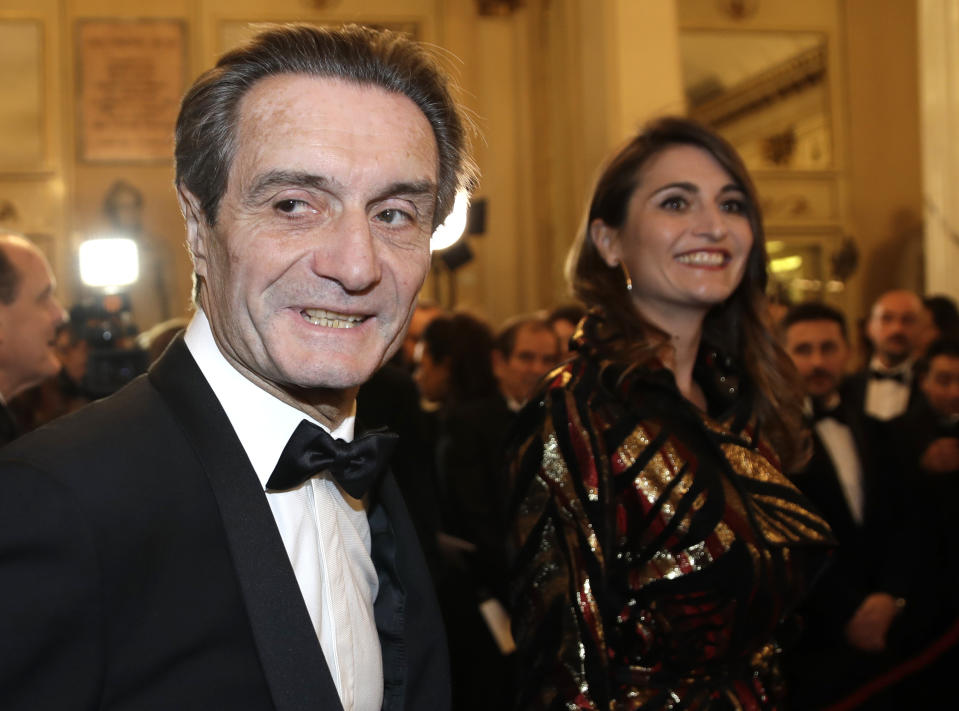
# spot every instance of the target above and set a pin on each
(656, 550)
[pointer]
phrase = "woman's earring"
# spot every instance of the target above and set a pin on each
(629, 282)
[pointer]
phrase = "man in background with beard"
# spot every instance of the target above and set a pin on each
(849, 618)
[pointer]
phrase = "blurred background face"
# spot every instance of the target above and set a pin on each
(894, 326)
(819, 352)
(28, 325)
(421, 318)
(432, 377)
(73, 352)
(941, 385)
(536, 351)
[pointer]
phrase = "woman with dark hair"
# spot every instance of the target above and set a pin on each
(658, 549)
(455, 362)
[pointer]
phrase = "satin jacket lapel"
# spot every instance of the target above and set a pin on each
(389, 608)
(289, 651)
(412, 637)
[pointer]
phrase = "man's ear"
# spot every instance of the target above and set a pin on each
(197, 230)
(606, 241)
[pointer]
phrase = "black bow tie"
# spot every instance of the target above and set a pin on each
(355, 465)
(819, 412)
(899, 377)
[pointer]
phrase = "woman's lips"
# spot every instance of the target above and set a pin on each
(704, 258)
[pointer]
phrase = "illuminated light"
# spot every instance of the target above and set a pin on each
(109, 262)
(785, 264)
(774, 246)
(447, 234)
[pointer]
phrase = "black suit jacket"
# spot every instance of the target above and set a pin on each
(870, 553)
(876, 555)
(9, 427)
(141, 568)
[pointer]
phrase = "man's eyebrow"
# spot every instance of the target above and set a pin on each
(285, 179)
(420, 188)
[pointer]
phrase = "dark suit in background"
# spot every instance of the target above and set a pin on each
(9, 428)
(141, 568)
(874, 555)
(472, 475)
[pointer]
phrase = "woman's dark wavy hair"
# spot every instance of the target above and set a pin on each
(466, 343)
(737, 327)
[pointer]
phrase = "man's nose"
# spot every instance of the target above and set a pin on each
(60, 314)
(348, 255)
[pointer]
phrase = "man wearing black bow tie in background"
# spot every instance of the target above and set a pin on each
(198, 541)
(886, 388)
(853, 484)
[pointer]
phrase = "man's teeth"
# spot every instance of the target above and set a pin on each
(330, 319)
(708, 259)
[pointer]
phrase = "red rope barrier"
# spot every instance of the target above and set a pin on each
(899, 672)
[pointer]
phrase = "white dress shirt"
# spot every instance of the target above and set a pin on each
(325, 531)
(886, 399)
(841, 447)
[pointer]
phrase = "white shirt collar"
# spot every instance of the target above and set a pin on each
(262, 422)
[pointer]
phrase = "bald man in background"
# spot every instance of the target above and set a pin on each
(886, 388)
(29, 317)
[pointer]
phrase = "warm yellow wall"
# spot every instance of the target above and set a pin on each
(645, 75)
(38, 192)
(885, 198)
(939, 65)
(554, 86)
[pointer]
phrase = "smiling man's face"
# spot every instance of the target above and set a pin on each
(322, 236)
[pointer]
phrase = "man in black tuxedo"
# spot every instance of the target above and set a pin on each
(851, 613)
(29, 317)
(198, 540)
(887, 387)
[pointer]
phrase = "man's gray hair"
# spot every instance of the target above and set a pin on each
(206, 126)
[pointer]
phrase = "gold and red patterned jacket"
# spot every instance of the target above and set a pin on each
(656, 550)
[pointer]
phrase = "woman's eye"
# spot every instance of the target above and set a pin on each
(674, 203)
(737, 207)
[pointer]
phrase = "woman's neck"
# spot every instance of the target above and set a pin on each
(679, 355)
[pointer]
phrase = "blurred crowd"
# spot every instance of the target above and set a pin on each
(884, 471)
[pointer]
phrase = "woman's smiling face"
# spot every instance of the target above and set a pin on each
(686, 238)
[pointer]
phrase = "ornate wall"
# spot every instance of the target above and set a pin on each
(554, 85)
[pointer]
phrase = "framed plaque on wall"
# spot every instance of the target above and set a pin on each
(130, 78)
(22, 145)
